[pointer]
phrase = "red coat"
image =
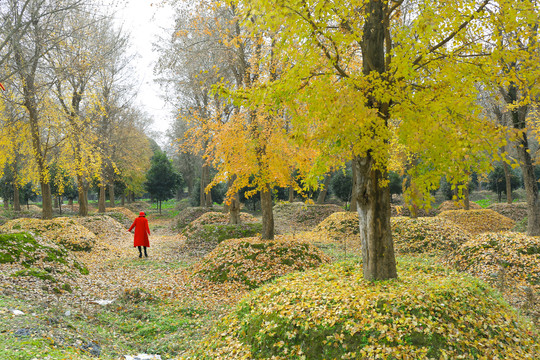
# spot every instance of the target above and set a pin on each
(141, 232)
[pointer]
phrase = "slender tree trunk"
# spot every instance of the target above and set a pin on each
(83, 199)
(101, 201)
(373, 207)
(234, 206)
(112, 200)
(518, 116)
(322, 195)
(6, 203)
(16, 198)
(47, 213)
(60, 204)
(123, 200)
(507, 177)
(267, 214)
(55, 202)
(206, 197)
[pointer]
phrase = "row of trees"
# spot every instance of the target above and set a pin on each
(272, 92)
(66, 112)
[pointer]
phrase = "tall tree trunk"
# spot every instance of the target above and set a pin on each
(234, 206)
(46, 201)
(507, 177)
(83, 199)
(466, 200)
(112, 200)
(60, 204)
(322, 194)
(373, 206)
(6, 202)
(373, 201)
(101, 201)
(518, 116)
(206, 197)
(55, 204)
(267, 214)
(291, 194)
(123, 200)
(16, 198)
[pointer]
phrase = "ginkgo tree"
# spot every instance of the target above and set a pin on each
(353, 73)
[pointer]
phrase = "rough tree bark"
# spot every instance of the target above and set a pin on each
(267, 213)
(101, 201)
(112, 199)
(373, 201)
(508, 180)
(322, 195)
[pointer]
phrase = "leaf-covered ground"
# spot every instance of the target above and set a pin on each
(478, 221)
(157, 305)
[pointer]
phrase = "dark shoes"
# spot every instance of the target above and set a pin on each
(140, 255)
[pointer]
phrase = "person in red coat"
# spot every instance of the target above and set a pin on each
(141, 233)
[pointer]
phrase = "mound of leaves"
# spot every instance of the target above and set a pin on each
(122, 215)
(404, 210)
(509, 261)
(478, 221)
(333, 313)
(252, 261)
(453, 205)
(213, 218)
(426, 235)
(339, 225)
(64, 231)
(23, 255)
(514, 211)
(186, 216)
(105, 227)
(298, 216)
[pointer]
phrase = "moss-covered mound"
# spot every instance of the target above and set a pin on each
(333, 313)
(63, 231)
(426, 235)
(37, 255)
(252, 261)
(453, 205)
(213, 218)
(509, 261)
(478, 221)
(298, 216)
(122, 215)
(514, 211)
(186, 216)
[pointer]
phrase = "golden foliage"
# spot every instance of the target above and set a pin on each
(478, 221)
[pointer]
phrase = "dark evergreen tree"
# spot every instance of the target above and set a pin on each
(162, 180)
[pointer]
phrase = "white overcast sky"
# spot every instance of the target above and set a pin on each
(144, 20)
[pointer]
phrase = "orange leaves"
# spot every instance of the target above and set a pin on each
(478, 221)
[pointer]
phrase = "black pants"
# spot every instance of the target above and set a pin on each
(140, 252)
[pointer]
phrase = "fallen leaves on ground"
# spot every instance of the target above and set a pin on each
(252, 261)
(456, 205)
(514, 211)
(478, 221)
(426, 235)
(509, 261)
(291, 218)
(333, 313)
(62, 230)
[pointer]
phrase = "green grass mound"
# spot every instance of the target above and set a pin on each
(514, 211)
(64, 231)
(332, 313)
(186, 216)
(213, 218)
(426, 235)
(509, 261)
(36, 256)
(252, 261)
(478, 221)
